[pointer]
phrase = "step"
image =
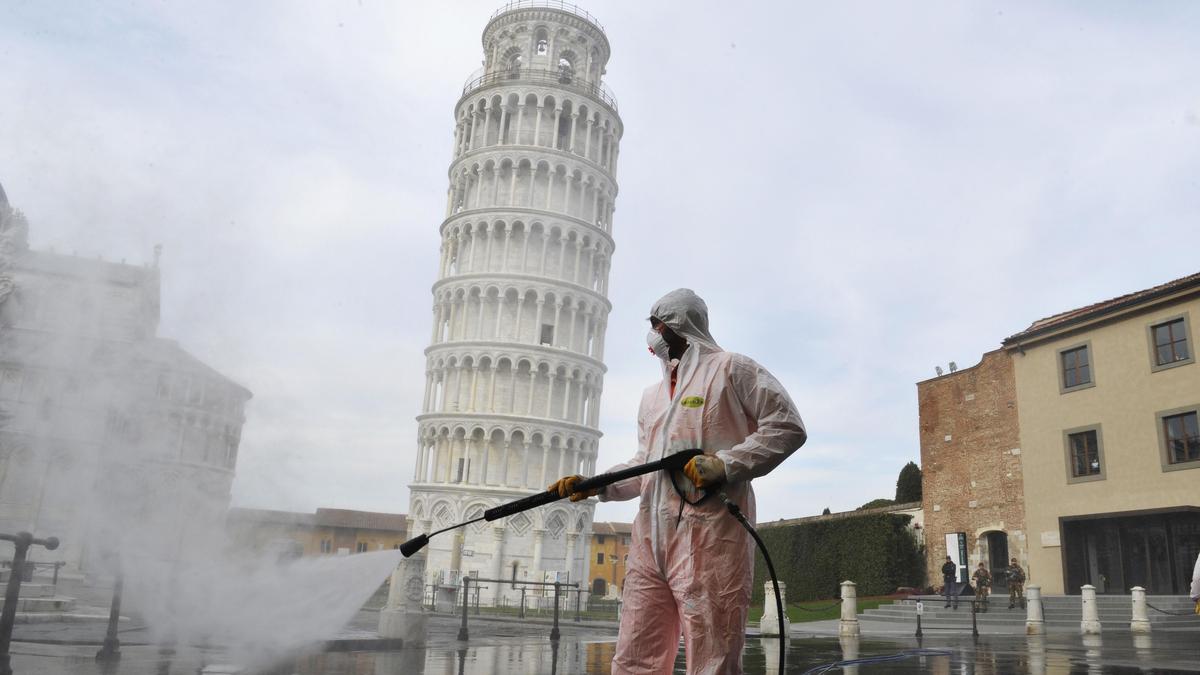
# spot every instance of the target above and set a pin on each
(59, 603)
(1066, 613)
(32, 590)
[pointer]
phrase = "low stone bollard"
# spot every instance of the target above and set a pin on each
(848, 625)
(1035, 622)
(1090, 625)
(769, 625)
(1140, 621)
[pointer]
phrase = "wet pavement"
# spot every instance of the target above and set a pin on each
(522, 649)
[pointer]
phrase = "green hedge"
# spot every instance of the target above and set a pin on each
(877, 552)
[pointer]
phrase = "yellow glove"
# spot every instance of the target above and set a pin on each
(705, 471)
(1198, 606)
(565, 487)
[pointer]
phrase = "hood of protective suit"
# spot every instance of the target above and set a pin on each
(685, 313)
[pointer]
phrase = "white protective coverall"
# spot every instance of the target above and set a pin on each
(1194, 593)
(692, 570)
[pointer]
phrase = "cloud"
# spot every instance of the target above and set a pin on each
(861, 192)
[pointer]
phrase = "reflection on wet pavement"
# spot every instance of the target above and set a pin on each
(989, 655)
(526, 652)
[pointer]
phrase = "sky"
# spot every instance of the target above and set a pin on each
(860, 191)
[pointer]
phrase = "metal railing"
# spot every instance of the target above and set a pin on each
(556, 78)
(547, 4)
(558, 588)
(30, 567)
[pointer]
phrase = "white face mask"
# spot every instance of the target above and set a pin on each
(658, 345)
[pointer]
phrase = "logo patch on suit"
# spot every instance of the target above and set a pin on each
(692, 402)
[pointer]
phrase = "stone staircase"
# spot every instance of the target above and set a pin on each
(38, 602)
(1062, 612)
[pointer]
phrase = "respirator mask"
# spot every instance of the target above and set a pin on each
(658, 345)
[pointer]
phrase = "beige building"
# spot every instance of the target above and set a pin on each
(1109, 397)
(326, 532)
(609, 558)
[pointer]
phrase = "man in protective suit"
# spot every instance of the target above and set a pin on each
(691, 564)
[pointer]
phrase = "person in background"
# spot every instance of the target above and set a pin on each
(983, 586)
(950, 582)
(1016, 584)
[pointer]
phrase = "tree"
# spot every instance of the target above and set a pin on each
(825, 512)
(908, 485)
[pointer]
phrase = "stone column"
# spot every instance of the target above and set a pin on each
(500, 303)
(566, 396)
(1140, 622)
(491, 404)
(1090, 625)
(532, 383)
(520, 313)
(404, 615)
(538, 535)
(569, 563)
(504, 467)
(848, 625)
(474, 383)
(769, 625)
(485, 449)
(483, 302)
(498, 563)
(545, 461)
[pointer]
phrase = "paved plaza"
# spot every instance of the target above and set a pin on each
(508, 646)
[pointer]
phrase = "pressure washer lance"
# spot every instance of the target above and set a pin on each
(673, 462)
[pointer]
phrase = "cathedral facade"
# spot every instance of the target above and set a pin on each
(113, 439)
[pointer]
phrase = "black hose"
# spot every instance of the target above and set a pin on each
(783, 636)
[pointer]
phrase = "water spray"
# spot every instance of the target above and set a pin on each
(673, 462)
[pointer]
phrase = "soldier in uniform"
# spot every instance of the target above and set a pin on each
(1016, 584)
(983, 586)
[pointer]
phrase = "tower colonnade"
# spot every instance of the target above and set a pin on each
(556, 252)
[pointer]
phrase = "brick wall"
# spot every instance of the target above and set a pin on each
(970, 460)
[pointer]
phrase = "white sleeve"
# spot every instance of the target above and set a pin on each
(1195, 594)
(779, 432)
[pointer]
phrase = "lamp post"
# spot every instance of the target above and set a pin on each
(21, 543)
(111, 651)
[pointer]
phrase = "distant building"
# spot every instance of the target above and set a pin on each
(1109, 396)
(913, 510)
(972, 474)
(610, 555)
(326, 532)
(102, 423)
(1072, 447)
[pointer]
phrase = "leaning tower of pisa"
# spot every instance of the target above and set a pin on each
(515, 365)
